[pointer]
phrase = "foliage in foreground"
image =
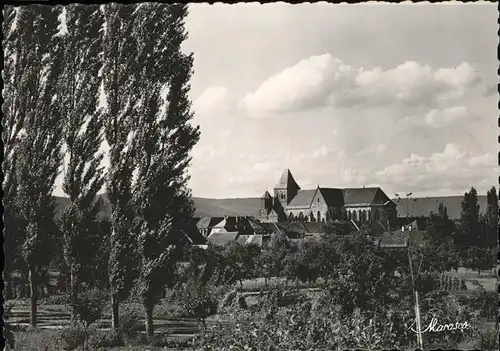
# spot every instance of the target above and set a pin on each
(315, 325)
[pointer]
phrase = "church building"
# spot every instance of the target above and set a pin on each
(291, 203)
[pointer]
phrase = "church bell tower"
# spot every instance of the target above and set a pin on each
(285, 190)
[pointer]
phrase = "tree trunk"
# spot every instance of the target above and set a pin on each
(149, 322)
(204, 326)
(8, 287)
(114, 312)
(241, 285)
(33, 295)
(74, 292)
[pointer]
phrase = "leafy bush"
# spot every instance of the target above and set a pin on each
(130, 321)
(61, 299)
(197, 300)
(297, 329)
(446, 309)
(104, 339)
(40, 339)
(71, 338)
(488, 340)
(89, 307)
(486, 303)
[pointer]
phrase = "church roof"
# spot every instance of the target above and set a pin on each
(286, 181)
(360, 196)
(333, 197)
(266, 195)
(302, 199)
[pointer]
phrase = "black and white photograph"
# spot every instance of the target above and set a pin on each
(248, 176)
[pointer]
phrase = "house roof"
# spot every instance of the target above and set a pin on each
(195, 237)
(242, 239)
(301, 228)
(207, 222)
(302, 199)
(269, 227)
(257, 227)
(255, 240)
(399, 238)
(286, 181)
(312, 227)
(227, 223)
(222, 238)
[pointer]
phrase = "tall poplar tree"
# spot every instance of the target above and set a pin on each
(83, 134)
(119, 77)
(470, 227)
(491, 217)
(39, 153)
(16, 77)
(164, 141)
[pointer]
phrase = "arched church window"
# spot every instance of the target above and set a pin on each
(376, 215)
(319, 216)
(301, 216)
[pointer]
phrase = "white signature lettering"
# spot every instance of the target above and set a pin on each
(442, 327)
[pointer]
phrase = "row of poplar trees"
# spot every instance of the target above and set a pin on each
(76, 78)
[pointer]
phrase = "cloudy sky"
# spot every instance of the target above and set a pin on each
(401, 96)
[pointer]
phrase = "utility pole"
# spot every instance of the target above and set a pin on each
(417, 307)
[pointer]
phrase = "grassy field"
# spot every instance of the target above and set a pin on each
(487, 279)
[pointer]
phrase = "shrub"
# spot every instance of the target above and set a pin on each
(88, 308)
(38, 339)
(71, 338)
(60, 299)
(278, 296)
(197, 301)
(297, 329)
(130, 322)
(229, 298)
(488, 340)
(486, 303)
(103, 339)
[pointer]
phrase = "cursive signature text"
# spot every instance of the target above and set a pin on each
(433, 327)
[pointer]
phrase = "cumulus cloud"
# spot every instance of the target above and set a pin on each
(214, 100)
(377, 150)
(490, 90)
(323, 80)
(452, 169)
(440, 118)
